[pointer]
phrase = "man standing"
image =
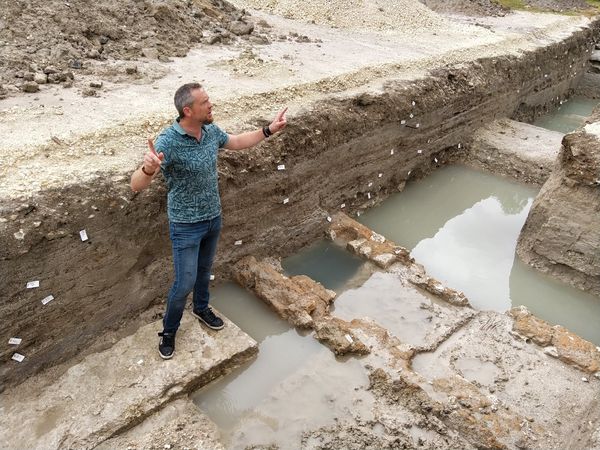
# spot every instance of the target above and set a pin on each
(186, 154)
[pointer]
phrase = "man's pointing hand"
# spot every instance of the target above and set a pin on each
(279, 122)
(152, 160)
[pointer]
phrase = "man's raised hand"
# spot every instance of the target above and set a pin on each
(279, 122)
(152, 160)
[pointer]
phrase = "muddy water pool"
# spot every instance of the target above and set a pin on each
(463, 226)
(568, 116)
(295, 383)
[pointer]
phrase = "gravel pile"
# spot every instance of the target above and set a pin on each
(378, 15)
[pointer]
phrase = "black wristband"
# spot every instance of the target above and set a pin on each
(266, 131)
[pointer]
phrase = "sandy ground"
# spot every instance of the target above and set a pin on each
(247, 82)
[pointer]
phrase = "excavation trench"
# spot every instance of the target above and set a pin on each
(348, 153)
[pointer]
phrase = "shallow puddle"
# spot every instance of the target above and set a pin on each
(328, 264)
(463, 226)
(569, 116)
(282, 350)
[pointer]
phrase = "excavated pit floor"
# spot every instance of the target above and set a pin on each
(294, 74)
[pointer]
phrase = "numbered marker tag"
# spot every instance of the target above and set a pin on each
(47, 300)
(328, 219)
(14, 341)
(281, 167)
(238, 242)
(33, 284)
(83, 235)
(419, 151)
(18, 357)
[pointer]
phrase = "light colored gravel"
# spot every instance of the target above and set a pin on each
(403, 16)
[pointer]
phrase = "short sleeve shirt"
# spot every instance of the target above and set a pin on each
(190, 171)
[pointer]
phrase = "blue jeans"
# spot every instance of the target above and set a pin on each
(194, 248)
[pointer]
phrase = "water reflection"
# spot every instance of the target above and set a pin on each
(229, 399)
(326, 263)
(463, 226)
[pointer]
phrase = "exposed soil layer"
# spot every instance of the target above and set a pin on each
(561, 235)
(333, 153)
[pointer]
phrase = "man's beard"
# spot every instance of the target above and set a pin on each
(208, 121)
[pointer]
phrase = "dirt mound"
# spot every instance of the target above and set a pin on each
(50, 41)
(389, 15)
(467, 7)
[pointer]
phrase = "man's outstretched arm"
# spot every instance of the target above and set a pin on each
(251, 138)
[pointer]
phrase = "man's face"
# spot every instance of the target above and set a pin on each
(201, 109)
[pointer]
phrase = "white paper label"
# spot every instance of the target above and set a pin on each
(281, 167)
(47, 300)
(391, 151)
(402, 122)
(349, 338)
(33, 284)
(14, 341)
(328, 219)
(435, 159)
(418, 125)
(18, 357)
(413, 103)
(380, 175)
(370, 184)
(238, 242)
(83, 235)
(212, 277)
(286, 201)
(458, 145)
(409, 172)
(343, 205)
(411, 115)
(369, 195)
(419, 151)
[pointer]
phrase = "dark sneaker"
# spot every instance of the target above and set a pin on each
(208, 317)
(166, 346)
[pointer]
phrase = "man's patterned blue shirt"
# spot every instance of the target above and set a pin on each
(190, 170)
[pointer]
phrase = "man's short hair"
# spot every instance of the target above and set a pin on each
(183, 96)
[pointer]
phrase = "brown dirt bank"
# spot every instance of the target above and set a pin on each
(332, 151)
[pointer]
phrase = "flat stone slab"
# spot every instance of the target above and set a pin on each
(180, 424)
(414, 317)
(111, 391)
(516, 149)
(508, 373)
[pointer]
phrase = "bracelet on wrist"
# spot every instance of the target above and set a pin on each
(267, 131)
(146, 173)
